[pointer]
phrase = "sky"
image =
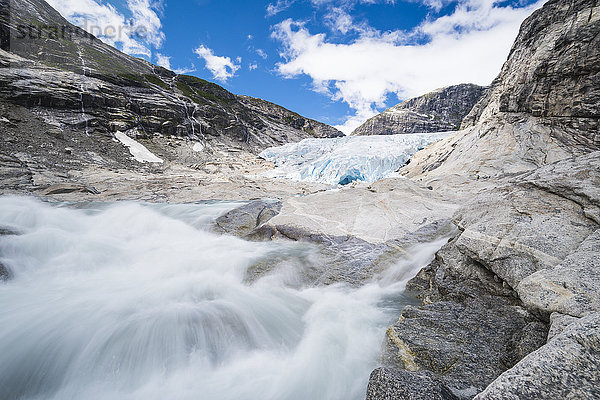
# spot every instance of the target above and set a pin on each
(336, 61)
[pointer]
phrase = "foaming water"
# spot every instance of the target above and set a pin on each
(134, 301)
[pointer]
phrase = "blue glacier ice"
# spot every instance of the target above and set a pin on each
(346, 159)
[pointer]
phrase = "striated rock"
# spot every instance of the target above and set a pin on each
(438, 111)
(565, 368)
(552, 72)
(394, 384)
(63, 188)
(542, 108)
(79, 92)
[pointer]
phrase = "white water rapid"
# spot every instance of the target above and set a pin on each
(134, 301)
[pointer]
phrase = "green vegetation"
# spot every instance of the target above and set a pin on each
(156, 81)
(198, 95)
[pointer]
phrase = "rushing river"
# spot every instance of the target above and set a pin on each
(137, 301)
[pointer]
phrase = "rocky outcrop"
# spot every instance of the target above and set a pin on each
(79, 92)
(437, 111)
(526, 259)
(468, 315)
(565, 368)
(543, 107)
(393, 384)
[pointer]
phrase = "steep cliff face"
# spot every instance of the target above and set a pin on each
(527, 164)
(438, 111)
(553, 73)
(75, 81)
(543, 107)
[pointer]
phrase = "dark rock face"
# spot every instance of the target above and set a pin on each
(438, 111)
(566, 368)
(468, 316)
(552, 72)
(393, 384)
(4, 274)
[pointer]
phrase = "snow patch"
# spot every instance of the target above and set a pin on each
(137, 150)
(346, 159)
(198, 147)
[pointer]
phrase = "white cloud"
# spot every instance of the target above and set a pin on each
(134, 35)
(222, 68)
(163, 61)
(184, 70)
(261, 53)
(252, 66)
(279, 6)
(470, 45)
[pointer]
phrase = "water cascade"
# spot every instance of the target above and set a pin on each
(137, 301)
(83, 89)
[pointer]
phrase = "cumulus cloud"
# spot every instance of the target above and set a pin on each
(468, 45)
(136, 34)
(163, 61)
(252, 66)
(222, 68)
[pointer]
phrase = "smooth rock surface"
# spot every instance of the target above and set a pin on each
(558, 323)
(377, 213)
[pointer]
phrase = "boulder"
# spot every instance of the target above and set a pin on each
(244, 220)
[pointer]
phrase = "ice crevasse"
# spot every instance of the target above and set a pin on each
(346, 159)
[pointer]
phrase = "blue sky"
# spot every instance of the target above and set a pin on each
(337, 61)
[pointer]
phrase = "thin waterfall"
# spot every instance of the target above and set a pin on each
(83, 89)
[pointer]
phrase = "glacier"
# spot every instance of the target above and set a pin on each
(340, 161)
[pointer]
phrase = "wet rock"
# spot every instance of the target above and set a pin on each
(4, 274)
(4, 271)
(64, 188)
(394, 384)
(244, 220)
(565, 368)
(339, 258)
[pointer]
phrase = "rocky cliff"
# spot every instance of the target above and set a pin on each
(438, 111)
(60, 87)
(526, 258)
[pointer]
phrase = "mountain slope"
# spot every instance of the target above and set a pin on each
(58, 70)
(438, 111)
